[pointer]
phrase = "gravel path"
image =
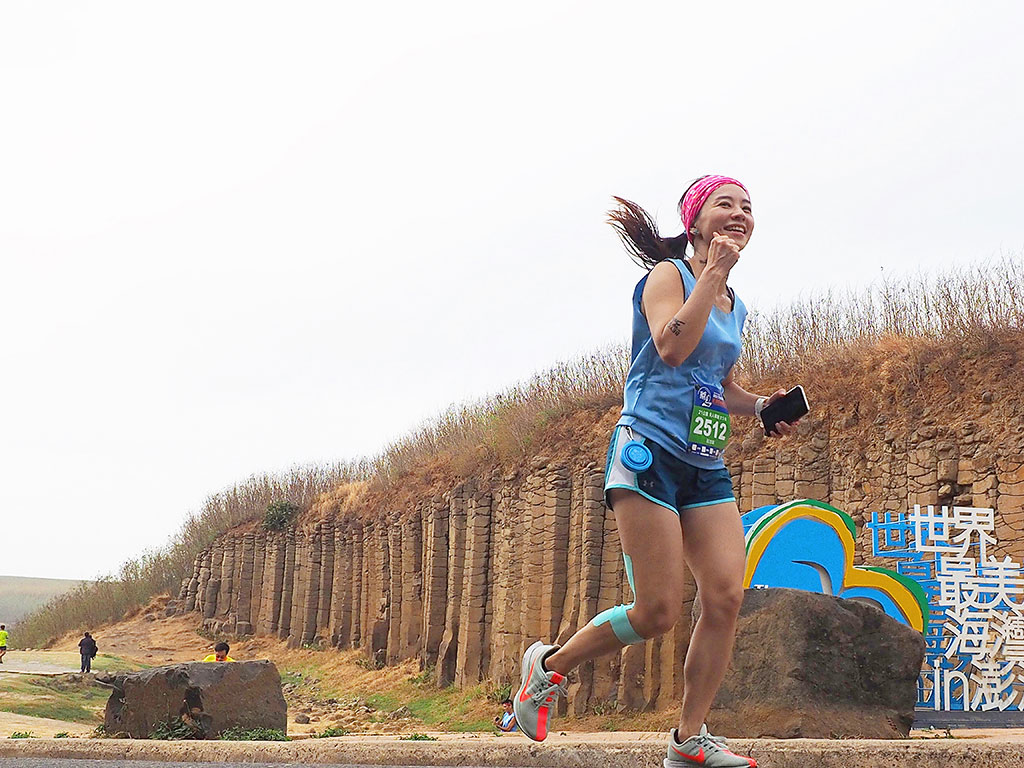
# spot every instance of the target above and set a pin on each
(40, 727)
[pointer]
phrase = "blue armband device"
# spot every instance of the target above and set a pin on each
(636, 457)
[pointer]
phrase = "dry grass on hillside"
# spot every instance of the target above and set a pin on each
(967, 316)
(114, 596)
(963, 305)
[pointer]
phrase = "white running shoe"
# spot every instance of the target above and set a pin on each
(534, 701)
(703, 749)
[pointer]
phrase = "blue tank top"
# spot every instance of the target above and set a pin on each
(658, 401)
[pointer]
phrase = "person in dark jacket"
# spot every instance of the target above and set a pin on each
(87, 647)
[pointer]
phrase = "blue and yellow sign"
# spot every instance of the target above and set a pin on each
(809, 545)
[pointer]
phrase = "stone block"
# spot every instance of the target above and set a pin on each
(947, 471)
(808, 665)
(785, 489)
(210, 697)
(984, 484)
(1006, 503)
(1011, 489)
(966, 474)
(1010, 469)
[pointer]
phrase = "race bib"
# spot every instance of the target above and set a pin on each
(709, 425)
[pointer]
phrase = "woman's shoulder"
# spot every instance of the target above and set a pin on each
(669, 269)
(669, 275)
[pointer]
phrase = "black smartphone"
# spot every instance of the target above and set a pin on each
(788, 408)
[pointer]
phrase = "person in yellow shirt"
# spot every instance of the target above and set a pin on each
(220, 653)
(3, 642)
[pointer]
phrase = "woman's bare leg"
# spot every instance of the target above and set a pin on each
(651, 536)
(715, 552)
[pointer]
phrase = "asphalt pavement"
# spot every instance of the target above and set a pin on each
(41, 662)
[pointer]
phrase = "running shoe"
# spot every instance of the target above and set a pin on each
(704, 749)
(534, 702)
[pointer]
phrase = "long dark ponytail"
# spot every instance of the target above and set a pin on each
(639, 234)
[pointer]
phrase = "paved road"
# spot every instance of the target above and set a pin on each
(41, 662)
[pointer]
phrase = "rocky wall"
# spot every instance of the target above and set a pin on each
(466, 579)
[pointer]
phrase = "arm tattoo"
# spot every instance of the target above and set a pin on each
(676, 326)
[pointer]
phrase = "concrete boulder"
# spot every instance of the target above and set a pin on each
(808, 665)
(210, 697)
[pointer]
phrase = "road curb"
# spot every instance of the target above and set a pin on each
(770, 753)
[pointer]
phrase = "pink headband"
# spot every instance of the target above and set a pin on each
(698, 194)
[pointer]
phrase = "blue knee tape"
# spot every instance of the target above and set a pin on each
(629, 575)
(617, 616)
(620, 624)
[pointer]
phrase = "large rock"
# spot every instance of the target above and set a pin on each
(210, 696)
(808, 665)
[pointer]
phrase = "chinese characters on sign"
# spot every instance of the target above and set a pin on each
(974, 646)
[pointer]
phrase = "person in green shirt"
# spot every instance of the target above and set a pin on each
(3, 642)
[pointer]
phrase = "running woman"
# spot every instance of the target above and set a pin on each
(665, 479)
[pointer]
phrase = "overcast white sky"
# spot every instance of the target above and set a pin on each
(240, 236)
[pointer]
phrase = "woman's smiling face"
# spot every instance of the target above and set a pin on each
(727, 211)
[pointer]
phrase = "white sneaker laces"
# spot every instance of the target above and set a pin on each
(719, 740)
(711, 743)
(539, 697)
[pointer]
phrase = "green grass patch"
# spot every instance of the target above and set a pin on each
(385, 702)
(417, 737)
(467, 710)
(430, 709)
(501, 693)
(310, 684)
(56, 698)
(71, 713)
(446, 704)
(424, 678)
(447, 708)
(329, 732)
(175, 730)
(253, 734)
(104, 662)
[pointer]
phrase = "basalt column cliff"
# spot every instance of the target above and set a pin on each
(466, 576)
